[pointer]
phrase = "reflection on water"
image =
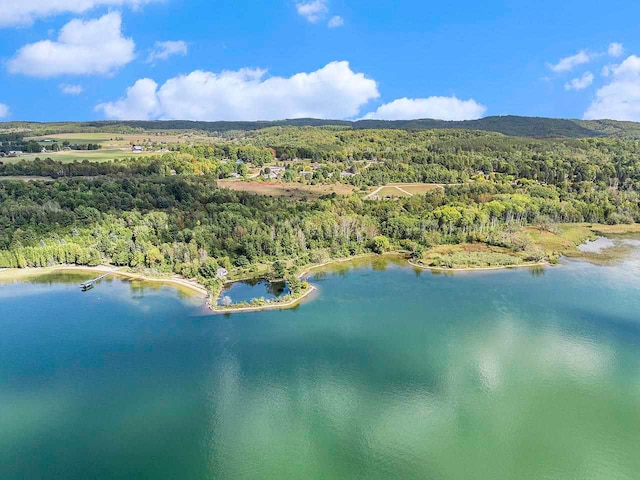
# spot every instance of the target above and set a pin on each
(247, 290)
(386, 374)
(596, 246)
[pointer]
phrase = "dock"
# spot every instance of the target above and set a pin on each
(92, 283)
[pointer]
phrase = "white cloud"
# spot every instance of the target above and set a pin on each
(4, 111)
(616, 49)
(580, 83)
(620, 98)
(336, 22)
(440, 108)
(313, 11)
(569, 63)
(24, 12)
(82, 48)
(163, 50)
(334, 91)
(70, 89)
(140, 103)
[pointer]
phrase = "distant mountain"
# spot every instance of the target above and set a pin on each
(514, 126)
(534, 127)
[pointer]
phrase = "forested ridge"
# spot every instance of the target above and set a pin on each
(534, 127)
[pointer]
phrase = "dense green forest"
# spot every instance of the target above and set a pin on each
(166, 213)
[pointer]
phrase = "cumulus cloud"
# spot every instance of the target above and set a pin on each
(440, 108)
(616, 49)
(580, 83)
(141, 102)
(336, 22)
(334, 91)
(4, 111)
(569, 63)
(24, 12)
(70, 89)
(164, 50)
(620, 98)
(313, 11)
(82, 48)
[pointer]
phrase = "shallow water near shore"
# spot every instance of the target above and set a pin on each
(389, 372)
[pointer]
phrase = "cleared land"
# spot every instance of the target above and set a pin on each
(116, 139)
(79, 155)
(124, 140)
(281, 189)
(397, 190)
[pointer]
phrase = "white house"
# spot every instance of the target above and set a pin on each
(222, 273)
(275, 172)
(137, 149)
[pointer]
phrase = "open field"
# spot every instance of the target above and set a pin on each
(469, 256)
(397, 190)
(418, 188)
(122, 140)
(561, 239)
(392, 192)
(617, 229)
(79, 155)
(280, 189)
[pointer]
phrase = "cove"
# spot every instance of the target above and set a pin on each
(387, 373)
(248, 290)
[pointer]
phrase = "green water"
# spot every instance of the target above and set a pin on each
(387, 373)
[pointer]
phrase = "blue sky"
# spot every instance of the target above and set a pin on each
(249, 60)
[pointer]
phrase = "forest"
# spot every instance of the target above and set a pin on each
(511, 125)
(166, 213)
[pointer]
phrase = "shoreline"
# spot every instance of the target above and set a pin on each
(272, 306)
(210, 300)
(17, 273)
(302, 276)
(480, 269)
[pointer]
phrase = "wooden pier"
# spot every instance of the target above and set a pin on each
(90, 284)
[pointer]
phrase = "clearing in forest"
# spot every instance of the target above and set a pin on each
(397, 190)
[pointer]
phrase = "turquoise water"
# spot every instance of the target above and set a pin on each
(387, 373)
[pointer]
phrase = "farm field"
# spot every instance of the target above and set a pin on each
(122, 140)
(391, 191)
(280, 189)
(398, 190)
(79, 155)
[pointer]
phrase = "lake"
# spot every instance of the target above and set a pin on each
(387, 373)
